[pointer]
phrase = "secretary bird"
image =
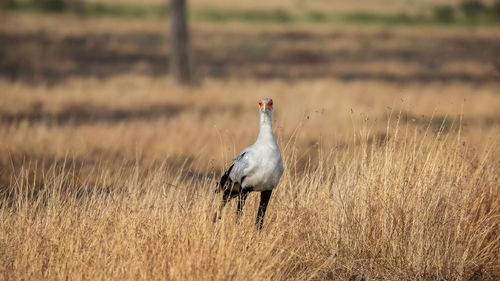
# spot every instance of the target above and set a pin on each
(257, 168)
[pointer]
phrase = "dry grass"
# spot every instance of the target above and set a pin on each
(413, 207)
(133, 198)
(113, 178)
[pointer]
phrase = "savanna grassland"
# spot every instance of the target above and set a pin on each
(390, 139)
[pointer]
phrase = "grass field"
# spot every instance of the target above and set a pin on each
(390, 138)
(316, 12)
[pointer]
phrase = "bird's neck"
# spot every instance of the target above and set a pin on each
(266, 127)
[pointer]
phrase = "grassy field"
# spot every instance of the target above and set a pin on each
(375, 12)
(390, 139)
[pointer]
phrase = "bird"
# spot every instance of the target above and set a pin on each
(256, 168)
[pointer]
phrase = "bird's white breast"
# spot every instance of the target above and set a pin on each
(265, 169)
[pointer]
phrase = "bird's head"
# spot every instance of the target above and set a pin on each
(266, 105)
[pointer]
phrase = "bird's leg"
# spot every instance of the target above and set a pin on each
(225, 198)
(241, 202)
(264, 200)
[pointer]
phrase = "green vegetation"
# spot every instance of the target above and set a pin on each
(217, 15)
(495, 10)
(93, 9)
(129, 11)
(369, 18)
(467, 13)
(315, 16)
(53, 5)
(444, 14)
(472, 9)
(6, 4)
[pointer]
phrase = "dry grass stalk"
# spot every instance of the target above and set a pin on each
(413, 206)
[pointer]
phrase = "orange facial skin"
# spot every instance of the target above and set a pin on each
(269, 104)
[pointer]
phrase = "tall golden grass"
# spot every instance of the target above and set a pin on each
(114, 178)
(402, 183)
(405, 207)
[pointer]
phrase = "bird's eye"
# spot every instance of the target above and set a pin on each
(260, 103)
(270, 103)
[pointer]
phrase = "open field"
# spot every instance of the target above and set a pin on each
(456, 13)
(390, 139)
(378, 6)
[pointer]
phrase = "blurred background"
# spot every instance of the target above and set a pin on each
(123, 80)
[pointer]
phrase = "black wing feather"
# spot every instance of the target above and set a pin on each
(225, 179)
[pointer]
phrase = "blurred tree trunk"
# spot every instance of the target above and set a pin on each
(180, 64)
